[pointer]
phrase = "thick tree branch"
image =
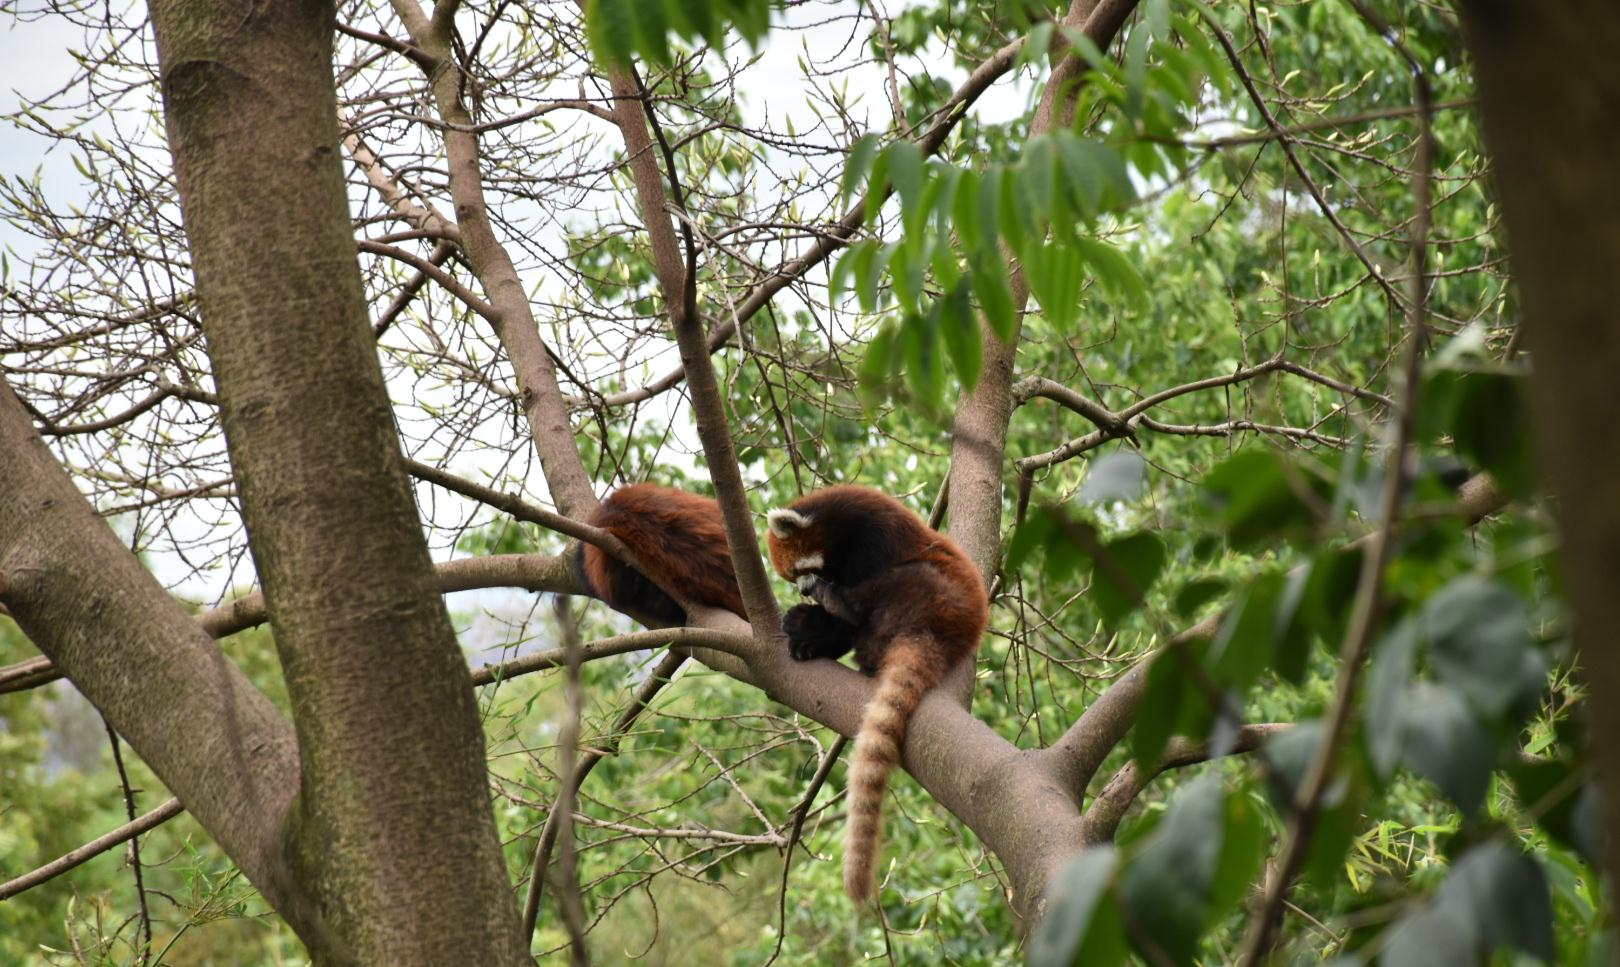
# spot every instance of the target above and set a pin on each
(518, 331)
(1103, 816)
(979, 436)
(74, 589)
(1549, 97)
(676, 281)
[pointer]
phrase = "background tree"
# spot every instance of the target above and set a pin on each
(1252, 249)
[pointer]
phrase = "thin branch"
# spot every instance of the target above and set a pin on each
(134, 842)
(677, 285)
(531, 572)
(91, 850)
(742, 646)
(838, 234)
(1294, 130)
(1294, 162)
(1369, 602)
(1102, 817)
(568, 898)
(799, 813)
(466, 296)
(655, 682)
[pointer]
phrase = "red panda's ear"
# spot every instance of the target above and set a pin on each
(784, 521)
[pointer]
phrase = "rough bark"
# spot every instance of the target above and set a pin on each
(388, 726)
(1550, 99)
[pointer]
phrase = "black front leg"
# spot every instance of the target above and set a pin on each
(837, 601)
(814, 632)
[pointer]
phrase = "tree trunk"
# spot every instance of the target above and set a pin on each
(395, 835)
(1550, 97)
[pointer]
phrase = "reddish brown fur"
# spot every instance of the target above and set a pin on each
(919, 607)
(678, 539)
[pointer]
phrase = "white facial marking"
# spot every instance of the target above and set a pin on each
(811, 562)
(805, 582)
(783, 521)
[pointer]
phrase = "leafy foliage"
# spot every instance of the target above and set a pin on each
(1173, 252)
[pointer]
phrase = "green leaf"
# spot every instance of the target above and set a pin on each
(848, 267)
(907, 271)
(1036, 531)
(1195, 594)
(1096, 59)
(1387, 686)
(1123, 573)
(858, 165)
(1081, 925)
(1163, 698)
(1290, 753)
(1441, 389)
(1165, 888)
(869, 274)
(610, 26)
(961, 334)
(1259, 494)
(1493, 897)
(1056, 276)
(1444, 742)
(1136, 49)
(1492, 426)
(752, 18)
(1116, 272)
(1246, 643)
(965, 213)
(1037, 178)
(1293, 644)
(990, 286)
(1418, 938)
(877, 182)
(1479, 643)
(1036, 45)
(1335, 574)
(878, 363)
(1083, 171)
(1550, 790)
(905, 164)
(946, 180)
(1243, 850)
(1017, 220)
(652, 31)
(1507, 892)
(925, 367)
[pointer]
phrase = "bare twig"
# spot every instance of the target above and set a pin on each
(1369, 601)
(91, 850)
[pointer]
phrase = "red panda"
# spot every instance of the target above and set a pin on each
(679, 538)
(905, 598)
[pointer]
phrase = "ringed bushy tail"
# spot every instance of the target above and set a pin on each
(909, 670)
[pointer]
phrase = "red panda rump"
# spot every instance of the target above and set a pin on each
(678, 538)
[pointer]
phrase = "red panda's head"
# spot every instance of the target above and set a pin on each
(795, 543)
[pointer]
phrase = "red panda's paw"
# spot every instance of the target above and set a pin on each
(814, 633)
